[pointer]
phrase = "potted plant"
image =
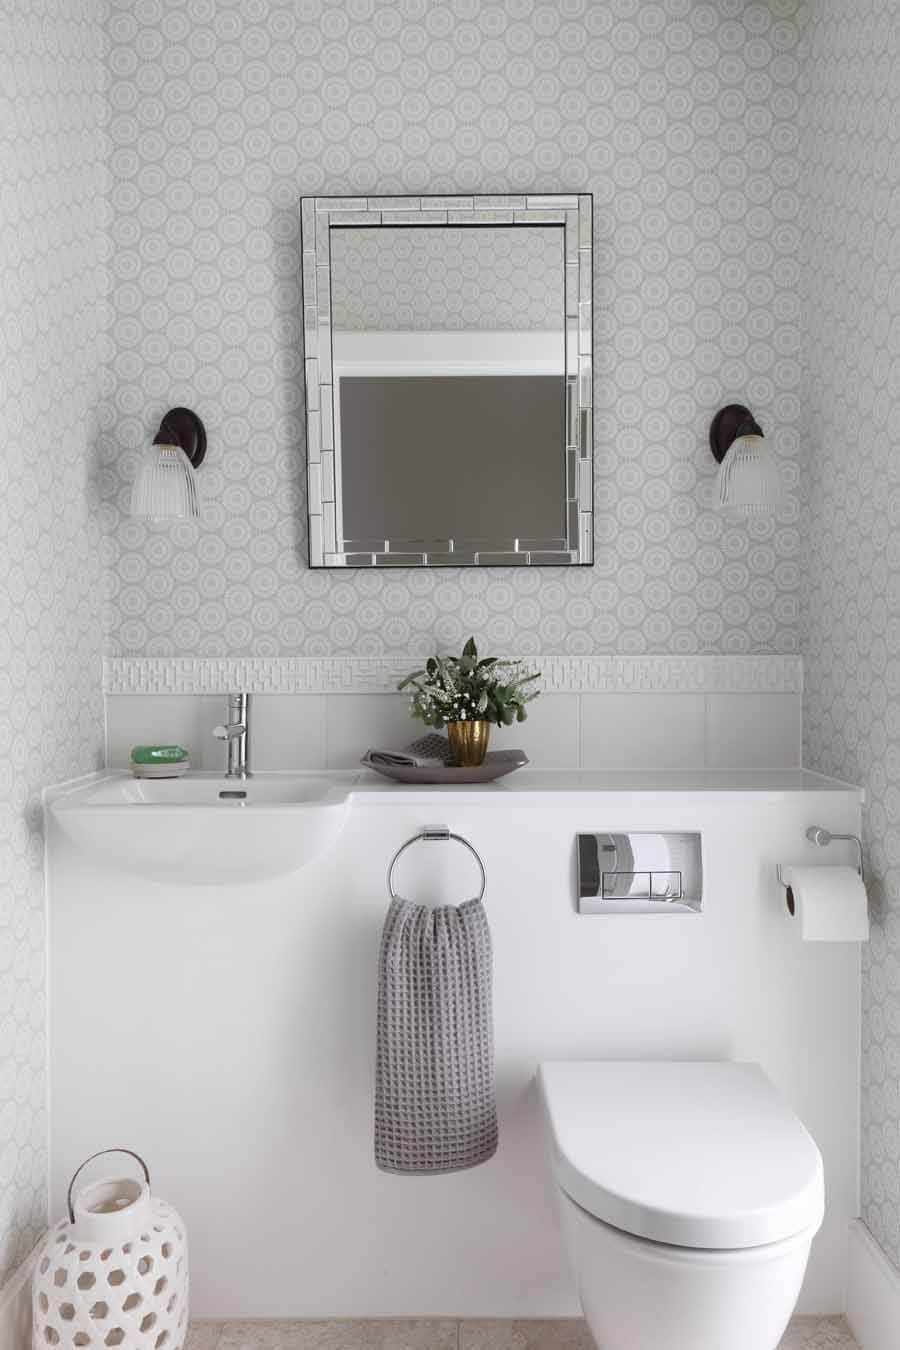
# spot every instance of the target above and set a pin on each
(466, 694)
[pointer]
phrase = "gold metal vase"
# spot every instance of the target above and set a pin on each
(468, 742)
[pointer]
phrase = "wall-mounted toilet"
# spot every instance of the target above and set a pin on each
(691, 1194)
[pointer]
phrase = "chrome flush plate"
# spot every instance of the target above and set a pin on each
(640, 872)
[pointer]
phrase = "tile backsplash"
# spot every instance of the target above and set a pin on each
(566, 730)
(649, 712)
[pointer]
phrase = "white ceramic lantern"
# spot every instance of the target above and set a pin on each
(114, 1273)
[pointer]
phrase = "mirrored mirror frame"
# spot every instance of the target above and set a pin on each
(317, 217)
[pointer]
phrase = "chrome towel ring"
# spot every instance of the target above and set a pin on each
(436, 834)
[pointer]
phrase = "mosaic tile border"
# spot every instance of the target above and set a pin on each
(379, 675)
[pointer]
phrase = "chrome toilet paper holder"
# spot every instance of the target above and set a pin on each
(817, 834)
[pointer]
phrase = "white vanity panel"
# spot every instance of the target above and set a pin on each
(227, 1033)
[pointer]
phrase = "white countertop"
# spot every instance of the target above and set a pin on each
(526, 786)
(614, 782)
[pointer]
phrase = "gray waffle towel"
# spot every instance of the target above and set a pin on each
(435, 1099)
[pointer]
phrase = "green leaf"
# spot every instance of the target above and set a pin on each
(451, 688)
(416, 675)
(524, 679)
(446, 675)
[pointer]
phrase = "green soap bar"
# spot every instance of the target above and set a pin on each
(158, 754)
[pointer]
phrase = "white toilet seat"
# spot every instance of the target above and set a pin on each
(696, 1155)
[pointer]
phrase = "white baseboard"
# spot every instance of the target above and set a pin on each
(15, 1307)
(873, 1292)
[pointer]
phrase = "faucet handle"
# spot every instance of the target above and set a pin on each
(223, 733)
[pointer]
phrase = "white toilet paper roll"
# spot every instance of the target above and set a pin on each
(828, 903)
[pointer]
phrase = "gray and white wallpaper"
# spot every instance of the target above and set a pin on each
(446, 278)
(851, 611)
(680, 117)
(52, 256)
(153, 156)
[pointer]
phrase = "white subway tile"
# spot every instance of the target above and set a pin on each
(164, 719)
(356, 723)
(287, 731)
(549, 735)
(645, 731)
(753, 731)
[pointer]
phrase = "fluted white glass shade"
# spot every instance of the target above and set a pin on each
(749, 483)
(166, 485)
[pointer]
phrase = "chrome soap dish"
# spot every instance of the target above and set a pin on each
(640, 872)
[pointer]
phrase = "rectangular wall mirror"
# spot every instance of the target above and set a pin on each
(448, 380)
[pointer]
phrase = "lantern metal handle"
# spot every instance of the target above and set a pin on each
(131, 1153)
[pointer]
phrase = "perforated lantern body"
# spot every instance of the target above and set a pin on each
(115, 1277)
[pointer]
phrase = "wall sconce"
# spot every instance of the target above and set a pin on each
(166, 484)
(748, 481)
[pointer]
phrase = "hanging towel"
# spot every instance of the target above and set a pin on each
(435, 1097)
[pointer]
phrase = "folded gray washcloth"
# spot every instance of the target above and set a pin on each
(435, 1096)
(427, 752)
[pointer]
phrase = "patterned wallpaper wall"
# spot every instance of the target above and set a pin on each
(52, 256)
(681, 116)
(509, 276)
(851, 610)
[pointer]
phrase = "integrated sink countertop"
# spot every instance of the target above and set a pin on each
(209, 829)
(210, 789)
(203, 827)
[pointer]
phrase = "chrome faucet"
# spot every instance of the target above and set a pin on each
(235, 732)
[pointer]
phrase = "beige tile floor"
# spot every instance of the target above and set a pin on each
(804, 1333)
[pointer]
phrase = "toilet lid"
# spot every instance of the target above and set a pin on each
(691, 1154)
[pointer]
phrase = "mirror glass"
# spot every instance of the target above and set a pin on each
(450, 358)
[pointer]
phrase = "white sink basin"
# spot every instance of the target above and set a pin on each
(205, 828)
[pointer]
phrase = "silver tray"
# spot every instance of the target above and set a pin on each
(497, 763)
